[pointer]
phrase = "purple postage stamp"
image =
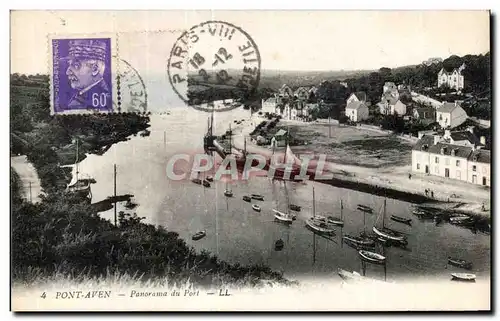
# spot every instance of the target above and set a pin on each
(81, 75)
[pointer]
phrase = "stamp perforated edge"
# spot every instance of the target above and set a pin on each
(114, 69)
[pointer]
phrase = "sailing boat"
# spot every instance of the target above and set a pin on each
(284, 217)
(78, 185)
(337, 221)
(280, 216)
(385, 232)
(361, 241)
(228, 192)
(319, 223)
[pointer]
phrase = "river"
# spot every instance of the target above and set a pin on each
(238, 234)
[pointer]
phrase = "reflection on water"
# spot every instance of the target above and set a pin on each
(237, 233)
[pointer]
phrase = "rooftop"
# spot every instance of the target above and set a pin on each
(361, 95)
(481, 156)
(460, 151)
(447, 107)
(425, 140)
(355, 105)
(465, 135)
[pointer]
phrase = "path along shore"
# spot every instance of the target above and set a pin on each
(392, 181)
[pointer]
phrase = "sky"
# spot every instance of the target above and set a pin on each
(287, 40)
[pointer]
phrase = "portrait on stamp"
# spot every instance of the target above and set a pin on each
(82, 74)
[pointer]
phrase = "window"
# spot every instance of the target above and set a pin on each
(436, 160)
(458, 163)
(447, 161)
(473, 168)
(436, 169)
(418, 166)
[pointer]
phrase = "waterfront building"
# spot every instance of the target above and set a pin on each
(269, 105)
(439, 156)
(392, 106)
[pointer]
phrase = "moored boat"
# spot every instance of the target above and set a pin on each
(365, 208)
(294, 207)
(385, 232)
(372, 257)
(460, 263)
(256, 207)
(359, 240)
(196, 181)
(401, 219)
(257, 197)
(355, 276)
(279, 244)
(335, 221)
(210, 178)
(468, 277)
(247, 198)
(206, 183)
(199, 235)
(319, 226)
(228, 193)
(282, 217)
(389, 234)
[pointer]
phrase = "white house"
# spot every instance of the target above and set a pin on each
(450, 115)
(357, 96)
(479, 167)
(269, 105)
(356, 111)
(390, 106)
(464, 138)
(453, 79)
(432, 155)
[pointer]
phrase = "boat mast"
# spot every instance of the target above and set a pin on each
(383, 217)
(76, 161)
(341, 210)
(314, 204)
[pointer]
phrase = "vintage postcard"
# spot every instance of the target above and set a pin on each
(250, 161)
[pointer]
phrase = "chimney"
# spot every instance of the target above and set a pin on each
(482, 139)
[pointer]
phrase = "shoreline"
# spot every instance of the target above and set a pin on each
(364, 181)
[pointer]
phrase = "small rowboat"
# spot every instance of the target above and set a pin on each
(282, 217)
(459, 218)
(210, 178)
(228, 193)
(460, 263)
(359, 240)
(257, 197)
(256, 207)
(469, 277)
(372, 257)
(199, 235)
(401, 219)
(387, 233)
(365, 208)
(294, 207)
(335, 221)
(278, 245)
(196, 181)
(206, 183)
(247, 198)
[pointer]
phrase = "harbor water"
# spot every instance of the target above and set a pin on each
(238, 234)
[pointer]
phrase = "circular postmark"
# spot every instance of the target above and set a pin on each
(132, 95)
(214, 66)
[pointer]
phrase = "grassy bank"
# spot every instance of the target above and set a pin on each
(64, 238)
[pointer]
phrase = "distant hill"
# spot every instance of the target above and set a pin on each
(274, 79)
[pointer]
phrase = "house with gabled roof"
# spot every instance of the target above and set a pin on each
(357, 96)
(392, 106)
(435, 155)
(450, 115)
(357, 111)
(453, 79)
(479, 167)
